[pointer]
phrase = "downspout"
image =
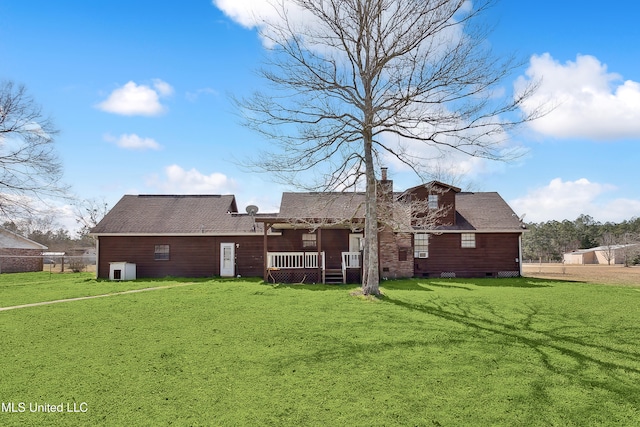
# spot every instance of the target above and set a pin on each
(520, 254)
(97, 257)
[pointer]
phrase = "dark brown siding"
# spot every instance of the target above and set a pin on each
(446, 196)
(494, 252)
(190, 256)
(333, 243)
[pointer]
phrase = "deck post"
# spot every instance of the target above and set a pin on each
(320, 266)
(264, 252)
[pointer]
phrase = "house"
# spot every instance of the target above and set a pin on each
(19, 254)
(431, 230)
(611, 254)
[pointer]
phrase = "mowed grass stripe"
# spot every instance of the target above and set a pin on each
(430, 352)
(36, 304)
(28, 288)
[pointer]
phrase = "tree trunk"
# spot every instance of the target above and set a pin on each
(371, 276)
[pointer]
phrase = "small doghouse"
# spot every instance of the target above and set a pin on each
(122, 271)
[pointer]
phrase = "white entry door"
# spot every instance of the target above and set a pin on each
(227, 259)
(354, 242)
(355, 246)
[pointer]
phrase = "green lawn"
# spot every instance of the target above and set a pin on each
(512, 352)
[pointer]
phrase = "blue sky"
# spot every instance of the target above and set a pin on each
(140, 91)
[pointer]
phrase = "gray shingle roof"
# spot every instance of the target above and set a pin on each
(474, 211)
(322, 205)
(175, 214)
(215, 214)
(484, 212)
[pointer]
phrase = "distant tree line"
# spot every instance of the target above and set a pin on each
(547, 241)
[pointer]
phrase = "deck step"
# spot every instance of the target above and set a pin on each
(333, 276)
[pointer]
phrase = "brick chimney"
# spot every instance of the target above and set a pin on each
(385, 195)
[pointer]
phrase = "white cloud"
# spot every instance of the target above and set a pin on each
(133, 142)
(262, 15)
(245, 12)
(137, 100)
(162, 87)
(589, 101)
(193, 96)
(180, 181)
(441, 162)
(562, 200)
(267, 17)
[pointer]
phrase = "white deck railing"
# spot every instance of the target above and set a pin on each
(350, 260)
(294, 260)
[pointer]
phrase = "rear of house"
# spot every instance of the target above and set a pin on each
(176, 235)
(315, 238)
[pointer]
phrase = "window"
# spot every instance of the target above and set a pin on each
(433, 201)
(161, 253)
(468, 240)
(309, 241)
(421, 245)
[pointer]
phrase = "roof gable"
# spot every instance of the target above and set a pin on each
(437, 185)
(11, 240)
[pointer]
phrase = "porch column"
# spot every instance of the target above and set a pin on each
(320, 278)
(264, 252)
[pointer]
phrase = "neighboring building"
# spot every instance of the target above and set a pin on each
(613, 254)
(316, 237)
(19, 254)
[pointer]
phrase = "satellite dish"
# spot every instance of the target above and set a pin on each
(252, 209)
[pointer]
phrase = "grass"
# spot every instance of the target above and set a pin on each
(429, 353)
(28, 288)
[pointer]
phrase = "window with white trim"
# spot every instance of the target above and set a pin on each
(309, 241)
(421, 245)
(161, 253)
(468, 240)
(433, 201)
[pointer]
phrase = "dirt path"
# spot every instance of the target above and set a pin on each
(602, 274)
(133, 291)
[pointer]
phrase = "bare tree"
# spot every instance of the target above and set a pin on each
(88, 214)
(609, 246)
(29, 167)
(353, 83)
(629, 247)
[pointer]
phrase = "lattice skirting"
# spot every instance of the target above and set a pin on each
(353, 276)
(508, 274)
(448, 275)
(293, 276)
